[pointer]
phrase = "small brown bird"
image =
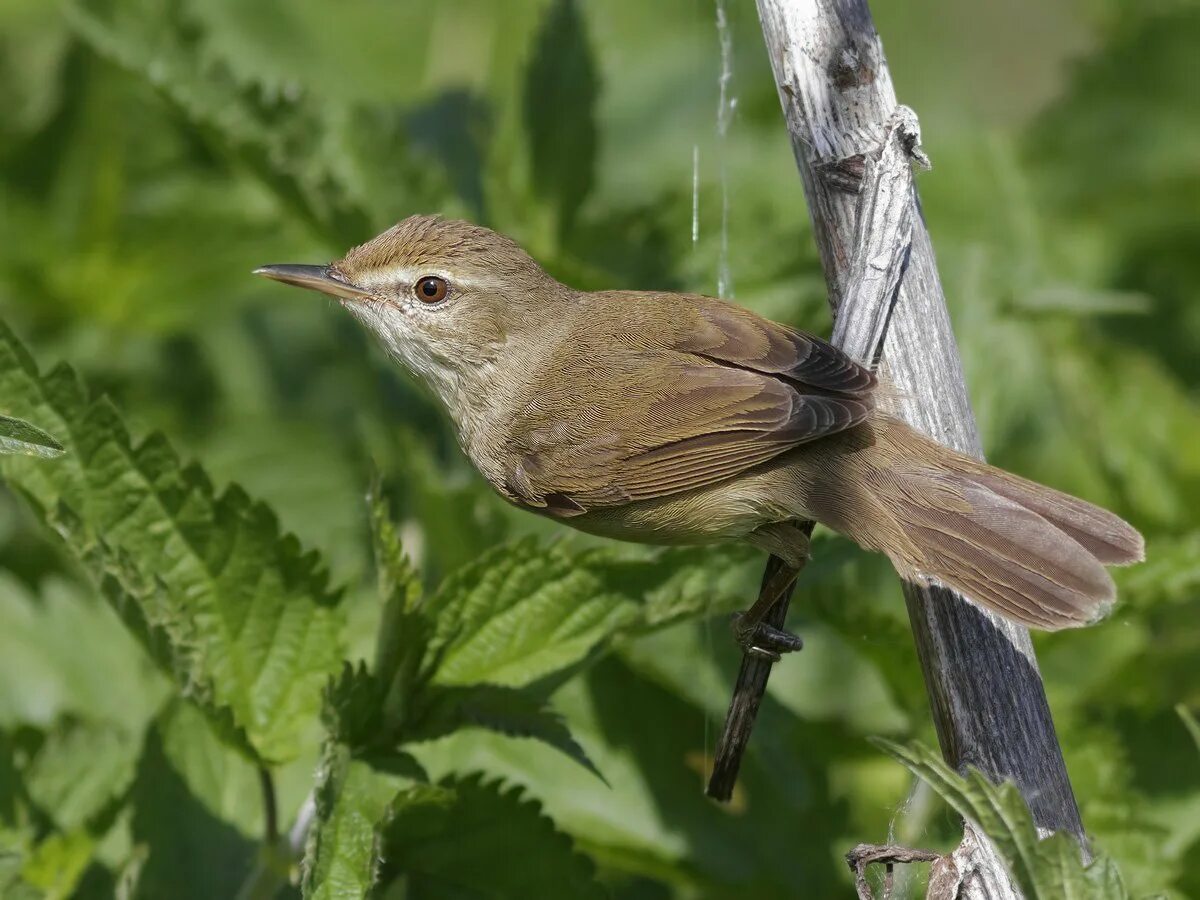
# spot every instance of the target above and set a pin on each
(681, 419)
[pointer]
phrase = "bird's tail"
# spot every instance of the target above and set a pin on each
(1031, 553)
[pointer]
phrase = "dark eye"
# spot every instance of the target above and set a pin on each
(431, 289)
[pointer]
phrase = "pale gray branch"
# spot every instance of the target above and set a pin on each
(985, 690)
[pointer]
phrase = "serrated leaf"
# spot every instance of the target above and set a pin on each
(353, 709)
(520, 614)
(561, 86)
(244, 615)
(1046, 869)
(471, 838)
(514, 712)
(528, 611)
(353, 799)
(21, 437)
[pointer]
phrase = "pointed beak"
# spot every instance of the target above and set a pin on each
(315, 278)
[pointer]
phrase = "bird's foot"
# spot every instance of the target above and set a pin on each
(766, 642)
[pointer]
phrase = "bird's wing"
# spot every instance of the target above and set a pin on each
(635, 413)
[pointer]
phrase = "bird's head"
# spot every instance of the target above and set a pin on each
(447, 298)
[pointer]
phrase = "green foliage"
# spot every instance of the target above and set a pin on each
(240, 614)
(1043, 868)
(560, 116)
(21, 437)
(457, 839)
(352, 802)
(167, 649)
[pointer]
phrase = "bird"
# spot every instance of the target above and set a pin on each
(676, 418)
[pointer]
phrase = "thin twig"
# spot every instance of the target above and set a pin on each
(888, 855)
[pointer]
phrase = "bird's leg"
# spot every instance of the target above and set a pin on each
(753, 634)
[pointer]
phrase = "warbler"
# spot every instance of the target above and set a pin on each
(673, 418)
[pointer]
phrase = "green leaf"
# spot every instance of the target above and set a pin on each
(471, 838)
(1044, 869)
(352, 799)
(521, 613)
(561, 86)
(404, 630)
(80, 770)
(515, 712)
(57, 864)
(242, 615)
(104, 678)
(653, 819)
(527, 611)
(21, 437)
(190, 851)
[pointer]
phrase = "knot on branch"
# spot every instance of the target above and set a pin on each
(905, 128)
(901, 144)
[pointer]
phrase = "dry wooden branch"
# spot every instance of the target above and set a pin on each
(985, 690)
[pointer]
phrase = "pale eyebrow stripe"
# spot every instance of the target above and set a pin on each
(409, 275)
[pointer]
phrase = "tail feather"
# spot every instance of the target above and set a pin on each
(1009, 558)
(1103, 534)
(1031, 553)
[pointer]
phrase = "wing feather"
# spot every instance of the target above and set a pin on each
(634, 414)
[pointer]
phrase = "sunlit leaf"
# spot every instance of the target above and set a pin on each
(352, 801)
(21, 437)
(241, 614)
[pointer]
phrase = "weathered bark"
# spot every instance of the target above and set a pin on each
(985, 690)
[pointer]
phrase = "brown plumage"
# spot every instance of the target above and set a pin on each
(675, 418)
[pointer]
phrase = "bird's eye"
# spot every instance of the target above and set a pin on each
(431, 289)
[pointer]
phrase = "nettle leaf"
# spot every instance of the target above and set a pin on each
(237, 611)
(353, 799)
(21, 437)
(493, 642)
(521, 613)
(1044, 869)
(561, 86)
(515, 712)
(529, 612)
(471, 838)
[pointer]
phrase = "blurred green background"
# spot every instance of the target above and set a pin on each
(153, 152)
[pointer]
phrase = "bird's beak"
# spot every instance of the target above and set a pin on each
(315, 278)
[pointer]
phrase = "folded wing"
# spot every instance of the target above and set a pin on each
(638, 415)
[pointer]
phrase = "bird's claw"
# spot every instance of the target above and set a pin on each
(763, 641)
